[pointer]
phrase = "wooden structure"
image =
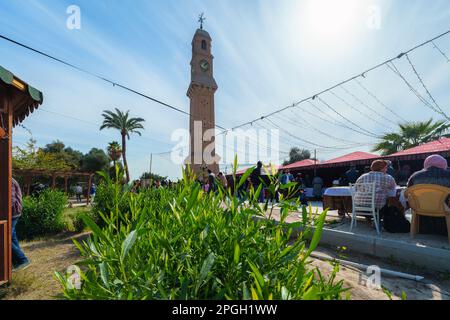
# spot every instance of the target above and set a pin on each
(17, 101)
(28, 175)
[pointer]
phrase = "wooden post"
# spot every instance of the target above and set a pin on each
(28, 185)
(5, 192)
(66, 178)
(89, 189)
(53, 181)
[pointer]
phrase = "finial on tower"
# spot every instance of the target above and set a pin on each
(201, 19)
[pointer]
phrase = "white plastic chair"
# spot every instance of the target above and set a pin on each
(363, 203)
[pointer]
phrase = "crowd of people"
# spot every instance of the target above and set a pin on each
(435, 171)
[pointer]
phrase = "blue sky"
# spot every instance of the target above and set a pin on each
(268, 54)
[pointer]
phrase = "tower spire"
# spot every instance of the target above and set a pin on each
(201, 19)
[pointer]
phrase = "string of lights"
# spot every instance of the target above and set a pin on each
(425, 87)
(379, 101)
(114, 83)
(366, 105)
(440, 51)
(308, 126)
(362, 74)
(317, 95)
(345, 118)
(394, 69)
(359, 111)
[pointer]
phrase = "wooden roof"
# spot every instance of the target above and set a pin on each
(25, 98)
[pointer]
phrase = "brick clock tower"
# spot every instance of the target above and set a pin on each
(201, 93)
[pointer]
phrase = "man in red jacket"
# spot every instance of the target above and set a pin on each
(20, 261)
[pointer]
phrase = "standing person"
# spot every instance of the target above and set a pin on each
(255, 180)
(20, 261)
(286, 178)
(206, 187)
(78, 192)
(317, 187)
(211, 181)
(352, 175)
(93, 191)
(223, 180)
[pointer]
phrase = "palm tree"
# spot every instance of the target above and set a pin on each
(120, 120)
(114, 151)
(412, 134)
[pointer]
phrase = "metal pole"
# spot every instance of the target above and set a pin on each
(151, 160)
(315, 162)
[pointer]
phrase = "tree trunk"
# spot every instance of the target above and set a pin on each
(124, 156)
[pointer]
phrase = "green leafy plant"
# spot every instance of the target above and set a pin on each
(183, 243)
(42, 215)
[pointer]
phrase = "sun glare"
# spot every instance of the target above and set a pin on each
(326, 23)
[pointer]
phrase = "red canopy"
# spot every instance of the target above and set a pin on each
(440, 146)
(299, 164)
(354, 158)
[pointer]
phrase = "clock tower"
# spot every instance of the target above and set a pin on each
(201, 94)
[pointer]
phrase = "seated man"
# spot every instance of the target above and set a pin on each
(435, 171)
(384, 183)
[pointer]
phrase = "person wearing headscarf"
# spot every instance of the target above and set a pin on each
(435, 171)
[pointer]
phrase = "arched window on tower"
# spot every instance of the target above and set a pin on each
(204, 44)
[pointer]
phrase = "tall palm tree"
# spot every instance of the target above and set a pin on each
(412, 134)
(120, 120)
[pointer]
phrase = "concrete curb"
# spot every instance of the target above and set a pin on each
(429, 257)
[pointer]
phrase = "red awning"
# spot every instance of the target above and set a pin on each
(299, 164)
(441, 146)
(354, 158)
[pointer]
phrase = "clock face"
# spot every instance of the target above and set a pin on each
(204, 65)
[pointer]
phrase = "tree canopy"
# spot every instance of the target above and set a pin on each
(412, 134)
(297, 154)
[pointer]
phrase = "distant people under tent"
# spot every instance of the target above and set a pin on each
(255, 180)
(317, 184)
(351, 175)
(402, 176)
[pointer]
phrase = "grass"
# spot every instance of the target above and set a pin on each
(46, 255)
(71, 215)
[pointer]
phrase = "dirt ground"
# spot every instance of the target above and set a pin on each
(58, 253)
(47, 256)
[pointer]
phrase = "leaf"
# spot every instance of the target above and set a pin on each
(207, 265)
(237, 252)
(94, 227)
(127, 244)
(317, 233)
(254, 294)
(285, 294)
(257, 274)
(311, 294)
(104, 274)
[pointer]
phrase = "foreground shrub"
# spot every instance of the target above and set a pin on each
(105, 199)
(42, 215)
(186, 244)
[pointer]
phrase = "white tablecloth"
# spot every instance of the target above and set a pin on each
(310, 192)
(345, 192)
